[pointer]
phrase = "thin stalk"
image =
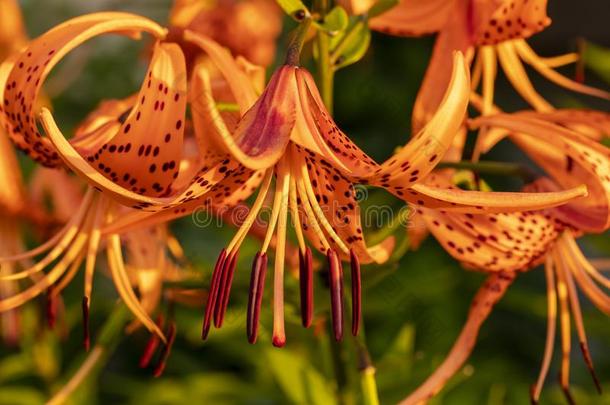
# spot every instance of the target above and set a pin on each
(108, 339)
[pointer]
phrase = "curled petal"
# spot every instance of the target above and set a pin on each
(570, 158)
(142, 155)
(38, 59)
(418, 157)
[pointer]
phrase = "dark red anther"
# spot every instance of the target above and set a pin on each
(51, 308)
(306, 283)
(171, 336)
(356, 293)
(335, 278)
(151, 346)
(255, 297)
(225, 289)
(86, 335)
(213, 293)
(589, 362)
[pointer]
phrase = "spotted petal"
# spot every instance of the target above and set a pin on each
(38, 59)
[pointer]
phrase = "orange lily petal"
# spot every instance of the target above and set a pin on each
(570, 159)
(34, 64)
(264, 131)
(141, 156)
(493, 242)
(418, 157)
(336, 196)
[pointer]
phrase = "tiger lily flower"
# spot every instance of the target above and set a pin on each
(496, 31)
(288, 133)
(506, 244)
(248, 28)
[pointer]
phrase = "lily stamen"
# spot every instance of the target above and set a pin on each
(335, 278)
(255, 298)
(306, 286)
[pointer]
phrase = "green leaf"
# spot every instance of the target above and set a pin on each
(299, 380)
(335, 21)
(381, 7)
(294, 8)
(352, 45)
(597, 58)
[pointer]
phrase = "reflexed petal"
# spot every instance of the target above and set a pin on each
(570, 159)
(142, 156)
(418, 157)
(99, 127)
(12, 30)
(481, 201)
(494, 242)
(414, 17)
(241, 85)
(34, 64)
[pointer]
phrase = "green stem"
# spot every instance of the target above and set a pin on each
(325, 68)
(493, 168)
(368, 384)
(108, 339)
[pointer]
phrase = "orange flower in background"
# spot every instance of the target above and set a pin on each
(506, 244)
(249, 28)
(491, 32)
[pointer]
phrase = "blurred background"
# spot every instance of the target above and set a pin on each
(413, 307)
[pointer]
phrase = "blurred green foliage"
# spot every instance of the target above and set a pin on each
(413, 307)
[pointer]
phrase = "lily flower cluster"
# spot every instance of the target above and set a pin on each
(206, 130)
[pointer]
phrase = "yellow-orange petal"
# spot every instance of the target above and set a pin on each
(241, 85)
(36, 61)
(338, 200)
(411, 17)
(101, 125)
(419, 156)
(493, 242)
(481, 201)
(144, 155)
(12, 29)
(570, 158)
